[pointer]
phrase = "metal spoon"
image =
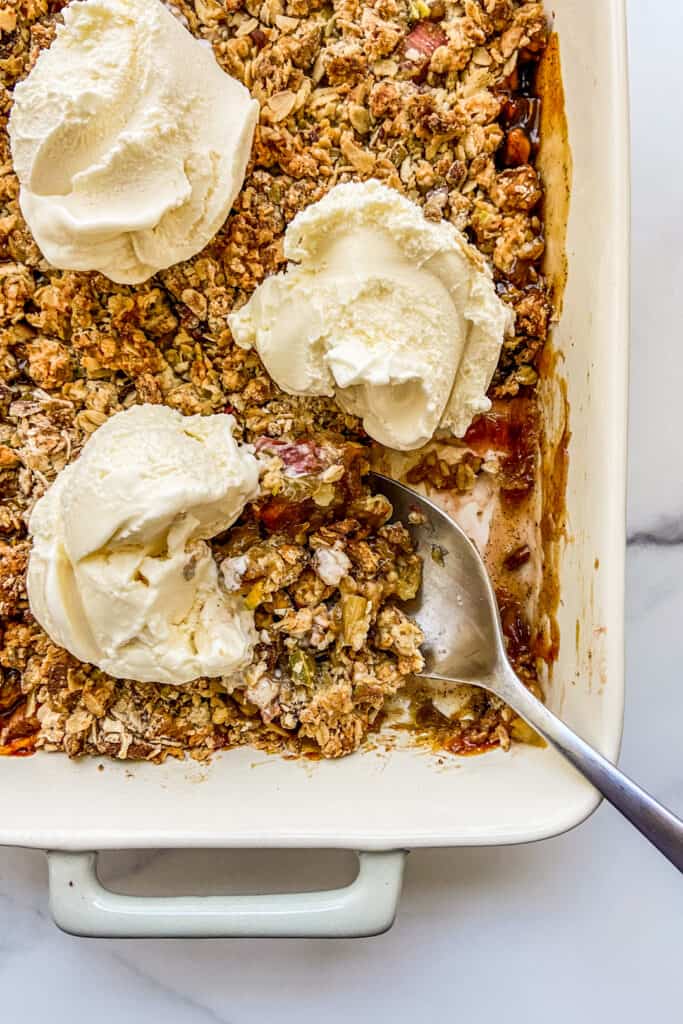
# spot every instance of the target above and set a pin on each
(458, 614)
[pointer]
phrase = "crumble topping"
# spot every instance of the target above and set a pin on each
(433, 99)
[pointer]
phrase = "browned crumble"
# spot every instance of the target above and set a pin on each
(434, 99)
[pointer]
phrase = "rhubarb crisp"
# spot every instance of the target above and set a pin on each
(436, 100)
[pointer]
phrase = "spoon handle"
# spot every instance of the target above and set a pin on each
(659, 825)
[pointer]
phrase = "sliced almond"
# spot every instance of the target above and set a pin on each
(246, 27)
(318, 68)
(510, 40)
(270, 10)
(209, 10)
(303, 94)
(285, 23)
(281, 105)
(406, 170)
(510, 65)
(481, 57)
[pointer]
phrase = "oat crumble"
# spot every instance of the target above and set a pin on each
(434, 99)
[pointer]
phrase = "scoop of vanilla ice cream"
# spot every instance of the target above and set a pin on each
(395, 316)
(129, 141)
(120, 573)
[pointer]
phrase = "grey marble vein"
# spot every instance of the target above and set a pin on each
(204, 1014)
(656, 482)
(665, 532)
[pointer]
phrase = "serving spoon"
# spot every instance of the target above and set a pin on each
(458, 614)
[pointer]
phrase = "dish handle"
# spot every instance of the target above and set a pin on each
(81, 905)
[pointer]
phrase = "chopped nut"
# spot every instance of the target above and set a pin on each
(526, 376)
(8, 458)
(359, 158)
(8, 20)
(517, 148)
(359, 118)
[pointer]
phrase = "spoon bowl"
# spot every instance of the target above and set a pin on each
(456, 609)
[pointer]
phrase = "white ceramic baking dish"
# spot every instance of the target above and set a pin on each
(383, 804)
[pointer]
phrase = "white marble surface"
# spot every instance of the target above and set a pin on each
(656, 489)
(586, 926)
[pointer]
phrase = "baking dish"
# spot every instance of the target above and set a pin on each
(383, 803)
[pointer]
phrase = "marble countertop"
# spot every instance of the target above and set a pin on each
(588, 920)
